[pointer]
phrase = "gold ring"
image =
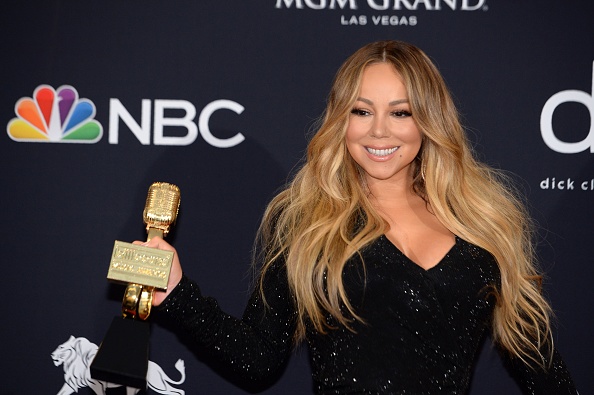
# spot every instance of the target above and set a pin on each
(145, 302)
(130, 301)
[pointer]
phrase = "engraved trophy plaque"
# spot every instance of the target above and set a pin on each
(122, 357)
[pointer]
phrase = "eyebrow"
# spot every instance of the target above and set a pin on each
(392, 103)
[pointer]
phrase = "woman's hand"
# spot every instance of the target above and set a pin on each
(176, 271)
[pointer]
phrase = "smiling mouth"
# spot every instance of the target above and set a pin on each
(381, 152)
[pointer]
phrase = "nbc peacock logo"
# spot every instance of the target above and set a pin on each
(55, 116)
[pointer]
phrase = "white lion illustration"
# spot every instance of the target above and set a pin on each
(77, 353)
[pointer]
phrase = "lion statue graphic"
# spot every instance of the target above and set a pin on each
(77, 353)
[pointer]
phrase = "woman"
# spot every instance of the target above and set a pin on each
(391, 253)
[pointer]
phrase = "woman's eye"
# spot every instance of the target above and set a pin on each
(359, 112)
(402, 113)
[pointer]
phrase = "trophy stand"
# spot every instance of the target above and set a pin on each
(122, 357)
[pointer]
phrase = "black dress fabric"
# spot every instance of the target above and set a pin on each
(420, 335)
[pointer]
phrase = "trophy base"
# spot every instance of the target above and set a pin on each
(122, 357)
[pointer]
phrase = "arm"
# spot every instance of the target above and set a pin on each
(533, 380)
(256, 345)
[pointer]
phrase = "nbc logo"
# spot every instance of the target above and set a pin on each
(55, 116)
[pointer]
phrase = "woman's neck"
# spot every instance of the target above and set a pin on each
(392, 194)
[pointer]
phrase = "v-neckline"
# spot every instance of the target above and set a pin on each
(410, 261)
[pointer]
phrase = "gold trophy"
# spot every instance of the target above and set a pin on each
(122, 357)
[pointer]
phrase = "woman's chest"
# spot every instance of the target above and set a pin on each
(390, 286)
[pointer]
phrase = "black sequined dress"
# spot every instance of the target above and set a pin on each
(421, 333)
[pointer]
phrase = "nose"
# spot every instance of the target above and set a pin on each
(379, 128)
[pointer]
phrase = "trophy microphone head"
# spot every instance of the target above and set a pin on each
(161, 208)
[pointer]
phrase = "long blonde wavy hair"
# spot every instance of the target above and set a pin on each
(324, 216)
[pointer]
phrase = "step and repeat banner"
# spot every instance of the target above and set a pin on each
(101, 98)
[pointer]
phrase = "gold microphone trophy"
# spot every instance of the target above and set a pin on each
(122, 357)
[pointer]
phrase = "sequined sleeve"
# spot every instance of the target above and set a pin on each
(555, 380)
(256, 345)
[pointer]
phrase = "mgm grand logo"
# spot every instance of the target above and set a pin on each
(384, 5)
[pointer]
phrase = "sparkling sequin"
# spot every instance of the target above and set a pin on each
(421, 333)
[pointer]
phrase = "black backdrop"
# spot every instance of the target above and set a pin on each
(147, 66)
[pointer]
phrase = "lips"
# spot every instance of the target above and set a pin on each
(381, 152)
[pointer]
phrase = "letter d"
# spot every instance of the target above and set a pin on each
(546, 120)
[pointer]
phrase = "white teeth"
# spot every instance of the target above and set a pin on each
(381, 152)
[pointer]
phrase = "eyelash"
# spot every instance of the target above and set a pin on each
(398, 113)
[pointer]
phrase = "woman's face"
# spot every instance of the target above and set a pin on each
(381, 135)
